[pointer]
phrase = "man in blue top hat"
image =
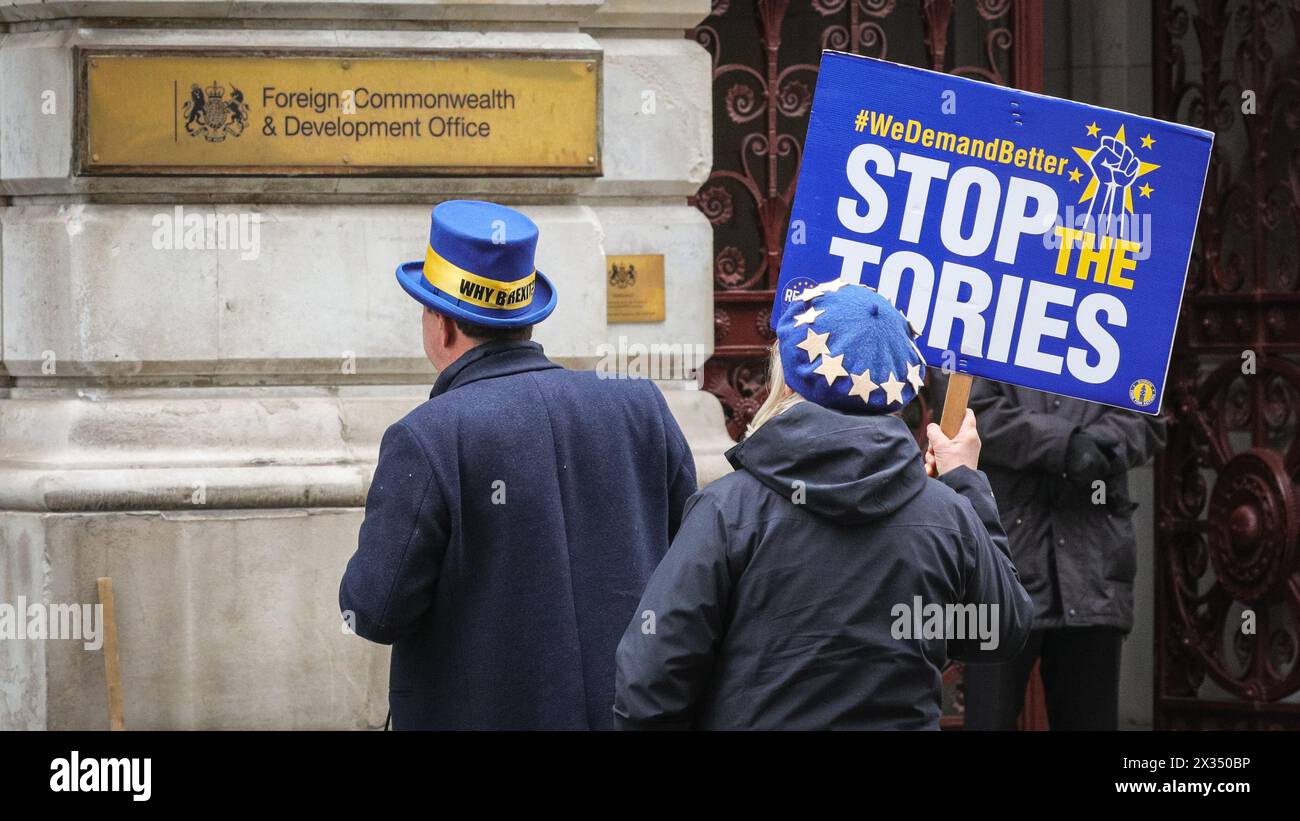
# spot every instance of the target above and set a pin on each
(515, 517)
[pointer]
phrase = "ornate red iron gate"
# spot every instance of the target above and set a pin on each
(765, 56)
(1228, 517)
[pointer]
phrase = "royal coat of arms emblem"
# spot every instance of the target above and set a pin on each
(209, 114)
(622, 276)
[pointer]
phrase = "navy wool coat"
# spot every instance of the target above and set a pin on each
(511, 526)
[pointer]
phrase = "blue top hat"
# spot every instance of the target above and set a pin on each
(479, 266)
(846, 347)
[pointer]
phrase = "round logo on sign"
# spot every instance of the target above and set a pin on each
(795, 287)
(1142, 392)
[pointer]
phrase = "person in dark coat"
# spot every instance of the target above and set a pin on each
(1059, 468)
(802, 589)
(515, 517)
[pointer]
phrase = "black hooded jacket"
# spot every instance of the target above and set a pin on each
(788, 599)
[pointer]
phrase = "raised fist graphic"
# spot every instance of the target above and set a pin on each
(1115, 166)
(1114, 163)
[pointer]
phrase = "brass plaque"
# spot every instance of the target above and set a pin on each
(634, 288)
(302, 113)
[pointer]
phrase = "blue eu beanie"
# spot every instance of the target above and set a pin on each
(844, 346)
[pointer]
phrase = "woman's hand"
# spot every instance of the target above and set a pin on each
(944, 454)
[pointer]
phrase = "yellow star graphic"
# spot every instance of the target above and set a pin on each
(1075, 175)
(807, 317)
(1093, 129)
(893, 389)
(862, 386)
(808, 293)
(831, 367)
(1147, 142)
(815, 344)
(832, 286)
(1146, 190)
(1090, 189)
(914, 377)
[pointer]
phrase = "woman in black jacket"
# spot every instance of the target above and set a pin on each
(826, 582)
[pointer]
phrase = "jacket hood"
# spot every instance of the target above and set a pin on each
(853, 468)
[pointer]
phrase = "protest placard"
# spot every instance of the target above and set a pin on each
(1031, 240)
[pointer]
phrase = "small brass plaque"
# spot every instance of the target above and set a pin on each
(634, 288)
(296, 112)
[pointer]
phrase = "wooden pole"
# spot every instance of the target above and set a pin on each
(112, 664)
(954, 403)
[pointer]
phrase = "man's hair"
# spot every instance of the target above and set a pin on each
(489, 333)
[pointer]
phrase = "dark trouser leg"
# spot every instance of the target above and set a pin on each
(1081, 677)
(995, 693)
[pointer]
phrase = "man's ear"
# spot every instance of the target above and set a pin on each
(448, 333)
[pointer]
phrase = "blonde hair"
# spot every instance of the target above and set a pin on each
(780, 398)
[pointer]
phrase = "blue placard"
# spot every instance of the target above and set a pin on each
(1031, 240)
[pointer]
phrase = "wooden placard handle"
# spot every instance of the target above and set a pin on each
(112, 663)
(954, 403)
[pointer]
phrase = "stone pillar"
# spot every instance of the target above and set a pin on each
(202, 425)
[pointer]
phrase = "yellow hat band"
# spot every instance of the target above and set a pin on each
(469, 287)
